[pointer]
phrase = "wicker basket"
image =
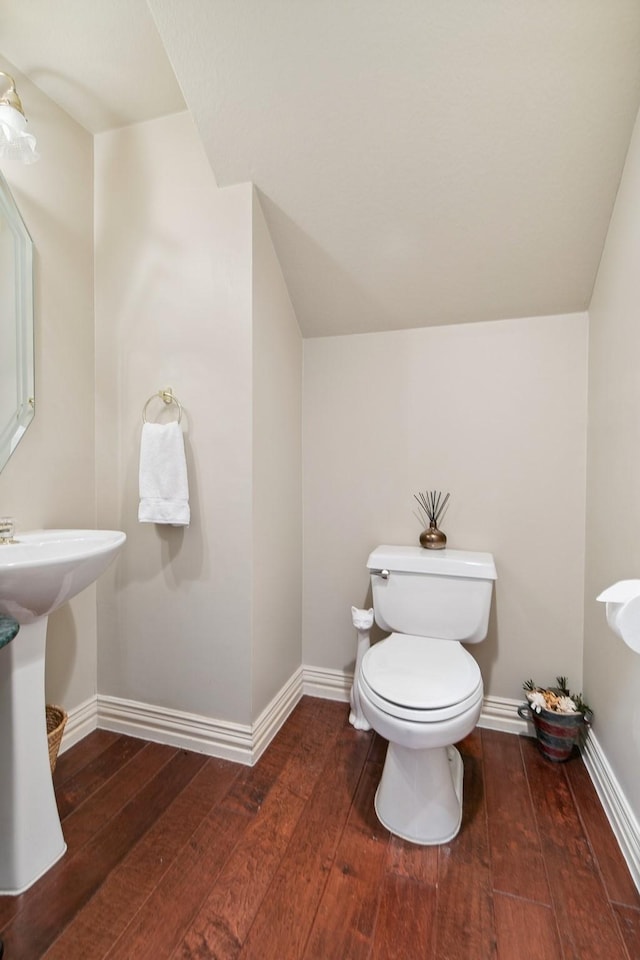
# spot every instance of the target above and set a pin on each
(56, 720)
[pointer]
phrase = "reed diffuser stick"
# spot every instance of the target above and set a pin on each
(431, 504)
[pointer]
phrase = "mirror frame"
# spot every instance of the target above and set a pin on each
(14, 421)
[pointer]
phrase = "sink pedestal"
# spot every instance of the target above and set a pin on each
(31, 838)
(39, 571)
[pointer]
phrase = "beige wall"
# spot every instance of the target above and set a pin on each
(173, 308)
(495, 413)
(189, 294)
(49, 481)
(612, 670)
(277, 480)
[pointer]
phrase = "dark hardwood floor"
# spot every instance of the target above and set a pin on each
(175, 855)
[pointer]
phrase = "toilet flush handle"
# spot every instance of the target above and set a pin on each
(381, 573)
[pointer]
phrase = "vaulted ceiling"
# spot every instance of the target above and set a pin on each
(419, 161)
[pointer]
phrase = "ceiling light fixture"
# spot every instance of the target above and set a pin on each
(14, 139)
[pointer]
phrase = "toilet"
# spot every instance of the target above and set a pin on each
(419, 688)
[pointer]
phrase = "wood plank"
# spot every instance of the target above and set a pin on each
(584, 915)
(525, 929)
(412, 861)
(378, 750)
(70, 885)
(253, 783)
(223, 922)
(472, 746)
(91, 933)
(615, 873)
(516, 855)
(160, 924)
(465, 927)
(346, 917)
(362, 815)
(83, 824)
(311, 746)
(286, 858)
(77, 788)
(284, 920)
(82, 753)
(406, 921)
(157, 931)
(629, 923)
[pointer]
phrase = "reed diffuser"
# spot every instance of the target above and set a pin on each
(431, 504)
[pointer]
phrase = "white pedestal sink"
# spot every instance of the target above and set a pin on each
(38, 573)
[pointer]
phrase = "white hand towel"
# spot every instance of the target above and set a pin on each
(164, 488)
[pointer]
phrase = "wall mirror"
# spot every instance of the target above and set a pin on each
(17, 398)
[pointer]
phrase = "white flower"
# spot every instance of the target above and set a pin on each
(566, 705)
(537, 701)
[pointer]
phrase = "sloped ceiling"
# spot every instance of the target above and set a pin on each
(419, 161)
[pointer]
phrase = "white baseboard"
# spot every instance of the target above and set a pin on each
(275, 714)
(326, 684)
(623, 821)
(242, 743)
(189, 731)
(81, 721)
(499, 713)
(217, 738)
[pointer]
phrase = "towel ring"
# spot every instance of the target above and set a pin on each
(167, 396)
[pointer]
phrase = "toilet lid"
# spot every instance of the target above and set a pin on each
(421, 673)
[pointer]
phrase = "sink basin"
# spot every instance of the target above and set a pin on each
(45, 568)
(37, 574)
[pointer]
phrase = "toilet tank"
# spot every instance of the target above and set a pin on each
(444, 594)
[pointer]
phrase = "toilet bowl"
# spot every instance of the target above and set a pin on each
(422, 691)
(422, 695)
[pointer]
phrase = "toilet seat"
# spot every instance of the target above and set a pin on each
(422, 679)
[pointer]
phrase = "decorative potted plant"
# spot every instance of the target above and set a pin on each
(561, 719)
